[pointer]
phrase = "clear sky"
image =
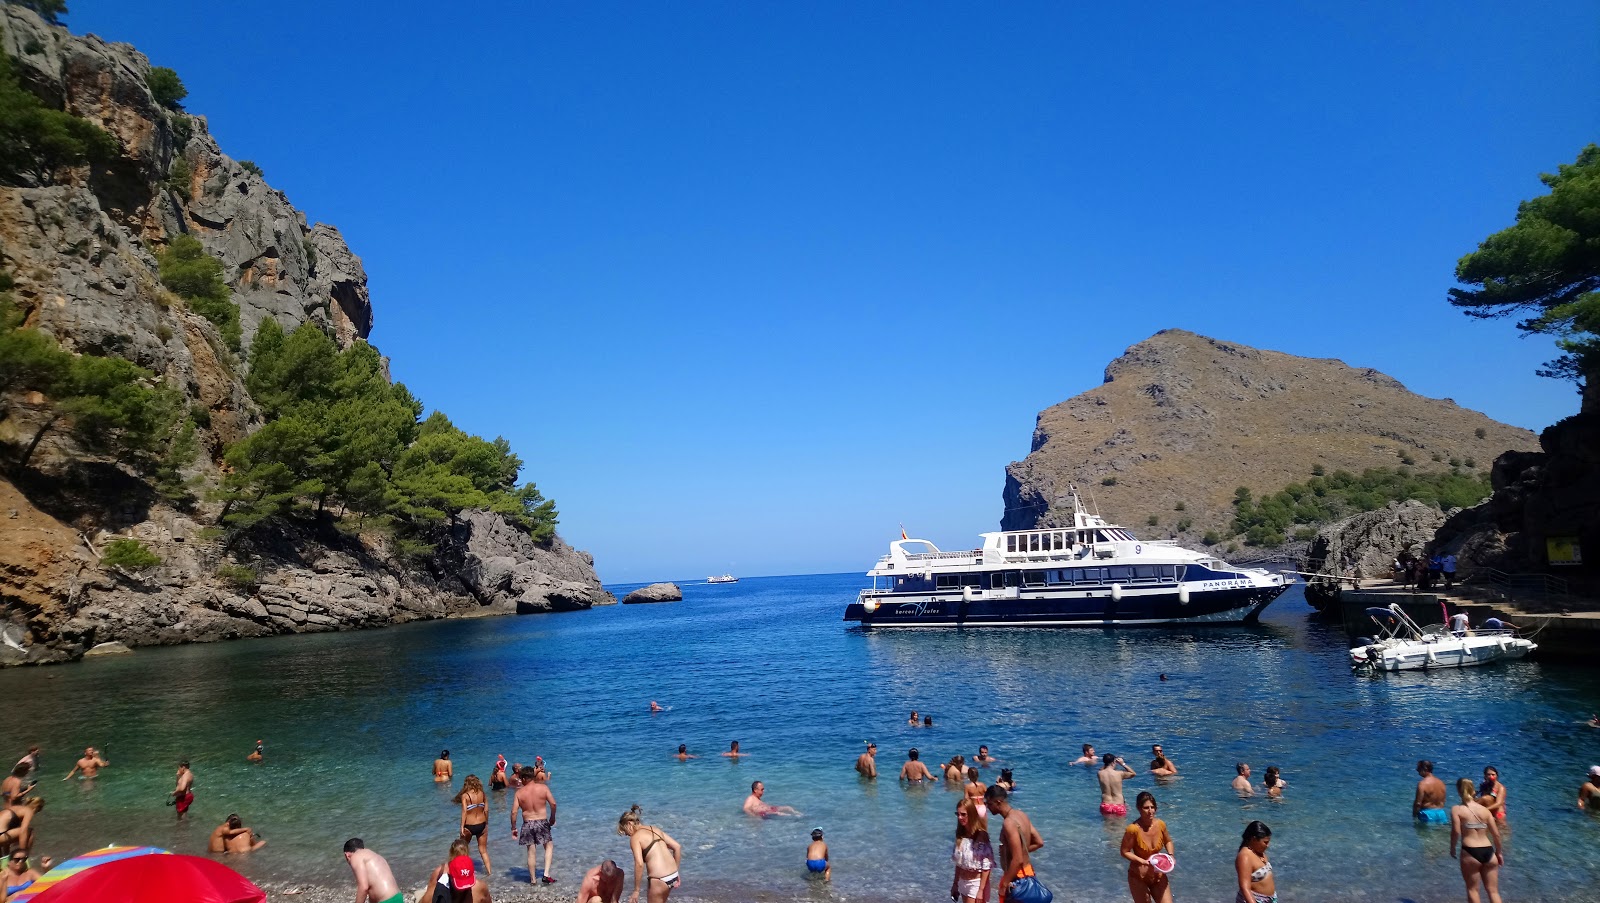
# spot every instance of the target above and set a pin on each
(750, 284)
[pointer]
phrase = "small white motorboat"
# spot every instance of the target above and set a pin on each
(1403, 646)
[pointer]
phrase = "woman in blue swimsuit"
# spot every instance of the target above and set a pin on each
(18, 876)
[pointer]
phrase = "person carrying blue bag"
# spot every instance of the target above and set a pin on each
(1018, 838)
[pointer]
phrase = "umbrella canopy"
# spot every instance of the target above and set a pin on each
(73, 866)
(156, 879)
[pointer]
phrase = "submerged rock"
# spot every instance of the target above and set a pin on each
(112, 648)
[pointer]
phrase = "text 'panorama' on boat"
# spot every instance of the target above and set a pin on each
(1089, 574)
(1403, 646)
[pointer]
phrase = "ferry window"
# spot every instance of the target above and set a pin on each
(1169, 572)
(1033, 542)
(1013, 578)
(1057, 542)
(1144, 571)
(972, 580)
(1011, 543)
(949, 581)
(1119, 573)
(1086, 575)
(996, 580)
(1033, 578)
(899, 582)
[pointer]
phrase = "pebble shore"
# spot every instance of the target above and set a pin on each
(290, 892)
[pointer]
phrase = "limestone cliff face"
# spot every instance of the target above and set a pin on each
(83, 256)
(1182, 418)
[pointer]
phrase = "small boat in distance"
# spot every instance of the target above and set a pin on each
(725, 578)
(1403, 646)
(1088, 573)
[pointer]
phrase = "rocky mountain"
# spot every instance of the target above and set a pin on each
(1184, 420)
(81, 243)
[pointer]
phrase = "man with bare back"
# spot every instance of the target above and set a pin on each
(538, 808)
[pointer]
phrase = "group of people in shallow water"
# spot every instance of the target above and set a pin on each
(1476, 829)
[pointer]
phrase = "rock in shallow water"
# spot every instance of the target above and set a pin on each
(655, 592)
(108, 649)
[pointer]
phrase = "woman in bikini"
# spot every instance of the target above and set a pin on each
(475, 816)
(1142, 839)
(1479, 835)
(1492, 793)
(497, 777)
(1256, 884)
(1273, 782)
(655, 854)
(16, 824)
(972, 854)
(974, 790)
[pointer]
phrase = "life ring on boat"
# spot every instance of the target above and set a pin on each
(871, 605)
(1116, 592)
(1432, 659)
(1183, 595)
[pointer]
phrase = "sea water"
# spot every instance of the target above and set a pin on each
(353, 721)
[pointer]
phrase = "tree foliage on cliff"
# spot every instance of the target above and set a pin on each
(112, 406)
(37, 141)
(1341, 494)
(196, 276)
(338, 433)
(166, 87)
(1547, 264)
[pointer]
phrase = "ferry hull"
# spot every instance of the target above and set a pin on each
(1152, 609)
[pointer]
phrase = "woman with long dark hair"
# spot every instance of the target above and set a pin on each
(1254, 870)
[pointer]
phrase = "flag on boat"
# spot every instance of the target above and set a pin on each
(903, 532)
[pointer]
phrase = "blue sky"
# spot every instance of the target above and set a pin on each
(749, 284)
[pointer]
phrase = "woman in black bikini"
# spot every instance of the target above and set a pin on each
(16, 824)
(1474, 826)
(475, 816)
(655, 854)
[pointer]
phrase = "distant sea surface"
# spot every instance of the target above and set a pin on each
(352, 722)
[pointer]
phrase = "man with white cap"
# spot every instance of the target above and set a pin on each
(1589, 793)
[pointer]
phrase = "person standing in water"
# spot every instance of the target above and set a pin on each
(183, 793)
(1018, 839)
(1253, 869)
(233, 837)
(443, 771)
(817, 856)
(374, 882)
(257, 755)
(972, 854)
(474, 805)
(1492, 793)
(1241, 783)
(914, 770)
(1428, 804)
(733, 751)
(497, 777)
(1161, 766)
(88, 766)
(1143, 838)
(1589, 791)
(1482, 853)
(538, 808)
(1113, 772)
(1088, 757)
(656, 856)
(867, 762)
(682, 755)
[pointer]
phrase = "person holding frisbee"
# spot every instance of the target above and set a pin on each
(1148, 848)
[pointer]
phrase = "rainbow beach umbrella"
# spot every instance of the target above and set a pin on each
(65, 870)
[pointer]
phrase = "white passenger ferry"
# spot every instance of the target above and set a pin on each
(1092, 574)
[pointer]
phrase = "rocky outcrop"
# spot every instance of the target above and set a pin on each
(83, 255)
(1366, 544)
(655, 592)
(1183, 420)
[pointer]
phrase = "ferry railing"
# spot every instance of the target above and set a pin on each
(932, 556)
(1512, 587)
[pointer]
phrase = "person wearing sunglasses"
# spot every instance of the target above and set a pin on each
(18, 876)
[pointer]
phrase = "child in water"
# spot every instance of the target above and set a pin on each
(817, 856)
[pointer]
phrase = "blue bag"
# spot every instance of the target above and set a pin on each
(1029, 890)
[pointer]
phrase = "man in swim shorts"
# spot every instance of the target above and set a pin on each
(867, 762)
(538, 807)
(374, 882)
(1018, 838)
(1428, 805)
(1113, 771)
(183, 794)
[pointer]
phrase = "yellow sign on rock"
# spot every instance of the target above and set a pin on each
(1564, 550)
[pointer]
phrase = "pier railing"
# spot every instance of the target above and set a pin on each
(1546, 588)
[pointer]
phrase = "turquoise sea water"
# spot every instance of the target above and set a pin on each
(353, 721)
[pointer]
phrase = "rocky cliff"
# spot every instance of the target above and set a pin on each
(1183, 419)
(81, 247)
